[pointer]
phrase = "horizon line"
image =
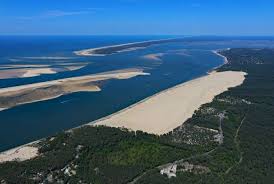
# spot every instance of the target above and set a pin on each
(173, 35)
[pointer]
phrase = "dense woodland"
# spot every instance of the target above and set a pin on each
(230, 140)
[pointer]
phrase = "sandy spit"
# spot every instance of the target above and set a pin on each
(13, 96)
(91, 52)
(169, 109)
(117, 74)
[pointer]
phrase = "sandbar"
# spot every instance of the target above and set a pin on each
(25, 71)
(156, 57)
(13, 96)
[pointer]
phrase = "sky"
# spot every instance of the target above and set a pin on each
(137, 17)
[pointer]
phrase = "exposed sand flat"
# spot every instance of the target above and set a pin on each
(13, 96)
(167, 110)
(72, 68)
(38, 71)
(156, 57)
(14, 73)
(21, 153)
(22, 66)
(18, 71)
(72, 64)
(25, 72)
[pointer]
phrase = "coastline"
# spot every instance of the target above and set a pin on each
(161, 130)
(102, 120)
(92, 51)
(220, 55)
(159, 113)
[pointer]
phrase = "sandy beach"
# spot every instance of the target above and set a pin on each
(169, 109)
(21, 153)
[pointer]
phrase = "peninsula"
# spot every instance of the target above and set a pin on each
(113, 49)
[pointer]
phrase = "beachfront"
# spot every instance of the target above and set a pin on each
(169, 109)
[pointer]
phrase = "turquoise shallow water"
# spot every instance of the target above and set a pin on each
(181, 62)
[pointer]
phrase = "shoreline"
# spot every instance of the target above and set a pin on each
(152, 114)
(220, 55)
(92, 51)
(212, 71)
(20, 153)
(170, 128)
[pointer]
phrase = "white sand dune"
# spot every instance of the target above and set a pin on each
(169, 109)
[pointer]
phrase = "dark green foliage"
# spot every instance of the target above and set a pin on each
(100, 154)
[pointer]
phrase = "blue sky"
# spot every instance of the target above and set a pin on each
(137, 17)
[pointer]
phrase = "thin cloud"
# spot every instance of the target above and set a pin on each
(59, 13)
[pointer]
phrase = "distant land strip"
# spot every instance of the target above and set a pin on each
(113, 49)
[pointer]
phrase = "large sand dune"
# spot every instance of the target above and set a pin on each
(169, 109)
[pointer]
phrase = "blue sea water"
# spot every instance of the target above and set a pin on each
(182, 62)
